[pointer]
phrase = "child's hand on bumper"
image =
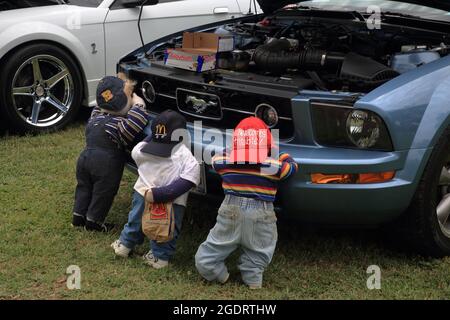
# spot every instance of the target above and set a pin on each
(137, 100)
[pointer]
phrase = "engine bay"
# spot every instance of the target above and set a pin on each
(320, 54)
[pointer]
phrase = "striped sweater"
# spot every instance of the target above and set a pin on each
(258, 181)
(123, 129)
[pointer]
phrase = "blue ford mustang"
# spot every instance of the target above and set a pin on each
(359, 92)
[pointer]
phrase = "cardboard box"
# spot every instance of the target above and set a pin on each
(199, 51)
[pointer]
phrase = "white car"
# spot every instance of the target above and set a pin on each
(54, 52)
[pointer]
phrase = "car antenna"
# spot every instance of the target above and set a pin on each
(139, 23)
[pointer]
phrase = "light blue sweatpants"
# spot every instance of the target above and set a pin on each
(242, 222)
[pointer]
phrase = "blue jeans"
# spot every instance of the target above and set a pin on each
(242, 222)
(132, 234)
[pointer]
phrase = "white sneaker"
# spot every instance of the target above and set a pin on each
(120, 250)
(254, 286)
(154, 262)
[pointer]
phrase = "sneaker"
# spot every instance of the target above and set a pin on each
(78, 220)
(94, 226)
(254, 286)
(154, 262)
(224, 279)
(148, 257)
(120, 250)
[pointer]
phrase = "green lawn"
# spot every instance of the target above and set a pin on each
(37, 244)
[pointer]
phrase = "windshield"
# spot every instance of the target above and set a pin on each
(385, 6)
(20, 4)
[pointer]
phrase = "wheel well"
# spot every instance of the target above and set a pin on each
(440, 132)
(56, 44)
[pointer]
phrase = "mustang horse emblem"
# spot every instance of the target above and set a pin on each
(199, 105)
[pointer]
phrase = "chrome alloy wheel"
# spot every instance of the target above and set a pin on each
(42, 90)
(443, 207)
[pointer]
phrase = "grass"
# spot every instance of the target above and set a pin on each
(37, 244)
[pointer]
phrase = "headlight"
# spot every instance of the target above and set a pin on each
(363, 128)
(343, 126)
(148, 91)
(268, 114)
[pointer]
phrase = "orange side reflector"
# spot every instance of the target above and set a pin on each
(376, 177)
(362, 178)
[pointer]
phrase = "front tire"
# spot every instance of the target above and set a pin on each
(41, 89)
(425, 226)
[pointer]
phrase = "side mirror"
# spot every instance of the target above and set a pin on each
(138, 3)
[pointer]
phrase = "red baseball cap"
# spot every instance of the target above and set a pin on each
(252, 141)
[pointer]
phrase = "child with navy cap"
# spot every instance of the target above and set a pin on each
(167, 172)
(119, 117)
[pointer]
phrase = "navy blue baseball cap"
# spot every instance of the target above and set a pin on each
(163, 126)
(111, 95)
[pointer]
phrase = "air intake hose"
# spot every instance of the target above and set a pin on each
(275, 57)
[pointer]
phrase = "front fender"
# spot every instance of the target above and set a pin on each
(434, 122)
(436, 117)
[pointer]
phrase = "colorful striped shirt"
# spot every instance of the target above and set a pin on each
(123, 129)
(258, 181)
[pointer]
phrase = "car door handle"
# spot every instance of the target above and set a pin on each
(221, 10)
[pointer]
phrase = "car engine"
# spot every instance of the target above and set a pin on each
(346, 57)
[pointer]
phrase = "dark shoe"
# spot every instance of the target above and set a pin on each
(94, 226)
(78, 221)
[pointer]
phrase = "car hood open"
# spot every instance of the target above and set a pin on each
(269, 6)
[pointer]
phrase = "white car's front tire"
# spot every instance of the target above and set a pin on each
(41, 89)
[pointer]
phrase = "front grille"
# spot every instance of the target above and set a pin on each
(235, 105)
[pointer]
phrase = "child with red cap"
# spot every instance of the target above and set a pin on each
(246, 217)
